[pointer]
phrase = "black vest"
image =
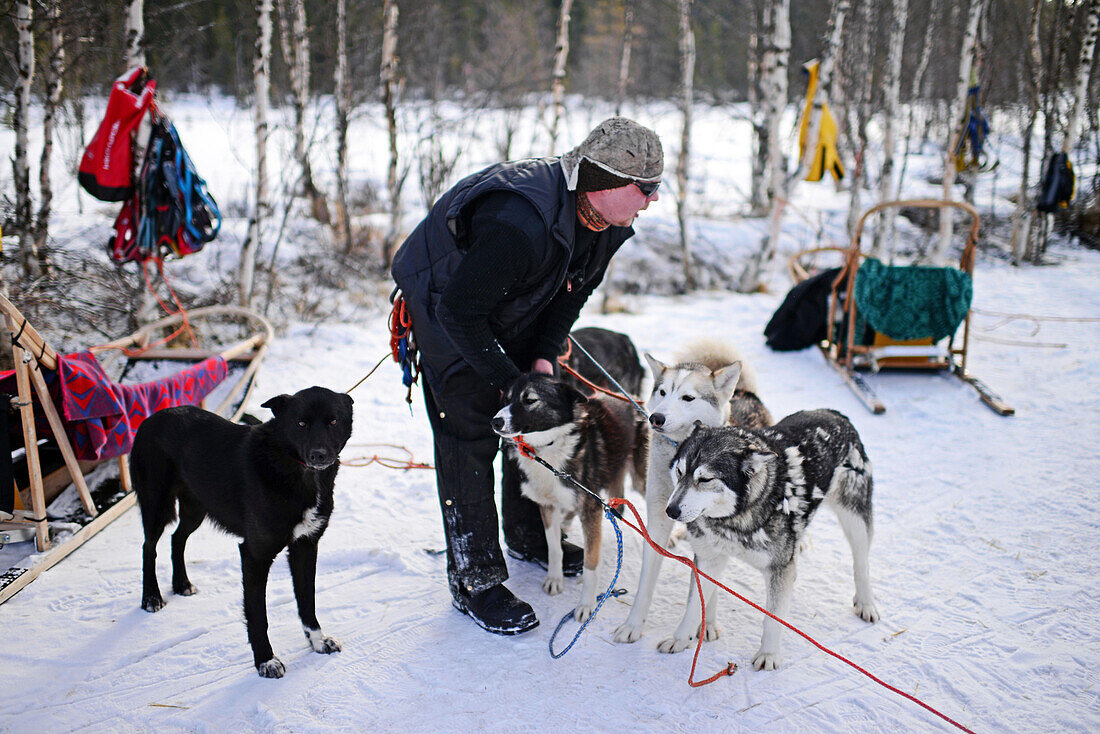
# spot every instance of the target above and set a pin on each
(423, 266)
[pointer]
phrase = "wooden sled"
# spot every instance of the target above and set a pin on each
(32, 356)
(846, 356)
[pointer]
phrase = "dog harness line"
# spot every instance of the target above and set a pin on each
(696, 576)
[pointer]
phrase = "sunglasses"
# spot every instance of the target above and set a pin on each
(647, 187)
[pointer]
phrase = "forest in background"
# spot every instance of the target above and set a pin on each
(1030, 60)
(503, 48)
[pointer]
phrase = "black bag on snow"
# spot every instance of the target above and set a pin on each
(802, 319)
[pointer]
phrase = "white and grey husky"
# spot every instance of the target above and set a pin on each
(750, 493)
(595, 440)
(709, 383)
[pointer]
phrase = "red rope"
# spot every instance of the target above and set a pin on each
(696, 573)
(390, 463)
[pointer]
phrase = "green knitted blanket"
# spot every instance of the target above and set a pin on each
(913, 302)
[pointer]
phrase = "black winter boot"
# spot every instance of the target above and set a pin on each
(572, 556)
(497, 610)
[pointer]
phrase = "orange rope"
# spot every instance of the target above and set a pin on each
(562, 361)
(696, 573)
(390, 463)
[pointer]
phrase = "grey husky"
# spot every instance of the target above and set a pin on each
(751, 493)
(709, 383)
(595, 440)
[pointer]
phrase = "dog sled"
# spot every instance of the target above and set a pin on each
(890, 316)
(64, 417)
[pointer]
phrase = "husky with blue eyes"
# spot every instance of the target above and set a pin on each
(750, 493)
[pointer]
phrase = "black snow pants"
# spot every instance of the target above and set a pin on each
(460, 410)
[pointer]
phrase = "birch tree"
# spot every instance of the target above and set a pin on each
(1084, 68)
(687, 92)
(51, 105)
(858, 108)
(775, 37)
(557, 87)
(342, 98)
(389, 97)
(751, 276)
(135, 33)
(892, 83)
(24, 22)
(294, 41)
(624, 59)
(1022, 215)
(955, 116)
(261, 82)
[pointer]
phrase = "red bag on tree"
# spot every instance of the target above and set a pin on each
(106, 169)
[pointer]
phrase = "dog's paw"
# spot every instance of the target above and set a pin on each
(553, 585)
(675, 644)
(627, 632)
(187, 590)
(765, 660)
(582, 612)
(272, 668)
(321, 642)
(713, 632)
(152, 603)
(865, 610)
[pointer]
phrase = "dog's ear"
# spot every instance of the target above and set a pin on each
(277, 403)
(725, 379)
(347, 398)
(655, 365)
(575, 396)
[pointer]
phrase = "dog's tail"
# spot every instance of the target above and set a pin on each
(714, 354)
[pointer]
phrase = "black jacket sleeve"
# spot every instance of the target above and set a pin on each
(500, 254)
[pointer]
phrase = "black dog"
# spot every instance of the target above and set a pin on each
(615, 351)
(270, 484)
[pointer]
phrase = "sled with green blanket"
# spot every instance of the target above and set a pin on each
(903, 316)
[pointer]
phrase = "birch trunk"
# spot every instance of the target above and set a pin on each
(261, 82)
(955, 119)
(1022, 216)
(342, 98)
(895, 50)
(776, 41)
(858, 109)
(52, 103)
(751, 276)
(687, 91)
(1084, 68)
(294, 40)
(557, 87)
(28, 252)
(754, 71)
(624, 60)
(135, 33)
(389, 94)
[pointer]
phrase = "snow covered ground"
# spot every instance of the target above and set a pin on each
(983, 563)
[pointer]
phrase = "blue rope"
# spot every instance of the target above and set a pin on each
(611, 591)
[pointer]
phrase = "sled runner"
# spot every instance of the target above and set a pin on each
(62, 416)
(883, 316)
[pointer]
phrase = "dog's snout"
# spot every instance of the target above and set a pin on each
(657, 420)
(498, 423)
(673, 511)
(318, 456)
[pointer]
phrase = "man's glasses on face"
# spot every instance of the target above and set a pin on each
(647, 187)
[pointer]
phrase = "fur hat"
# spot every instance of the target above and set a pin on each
(622, 148)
